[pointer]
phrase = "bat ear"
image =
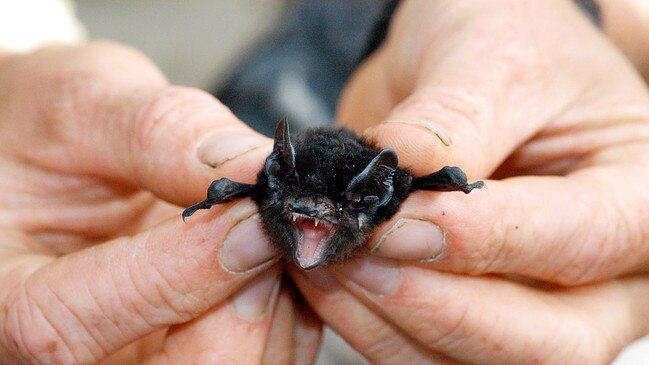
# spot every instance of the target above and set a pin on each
(374, 184)
(281, 162)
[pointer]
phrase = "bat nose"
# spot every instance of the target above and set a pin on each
(298, 207)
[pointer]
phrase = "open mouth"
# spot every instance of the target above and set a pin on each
(312, 236)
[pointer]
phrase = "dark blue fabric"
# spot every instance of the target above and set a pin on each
(300, 70)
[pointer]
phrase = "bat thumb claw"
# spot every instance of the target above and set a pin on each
(476, 185)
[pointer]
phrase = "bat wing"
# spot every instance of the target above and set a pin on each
(449, 178)
(221, 191)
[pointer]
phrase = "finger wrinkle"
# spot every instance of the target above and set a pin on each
(129, 303)
(105, 319)
(188, 307)
(454, 330)
(620, 233)
(174, 118)
(587, 247)
(435, 130)
(42, 339)
(447, 104)
(162, 302)
(103, 344)
(583, 144)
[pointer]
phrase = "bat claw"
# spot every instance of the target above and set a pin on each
(476, 185)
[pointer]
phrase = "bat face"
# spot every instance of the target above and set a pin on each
(312, 231)
(321, 194)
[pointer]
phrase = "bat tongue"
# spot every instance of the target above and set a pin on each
(312, 244)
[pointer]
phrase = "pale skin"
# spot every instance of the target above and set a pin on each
(97, 152)
(549, 264)
(95, 263)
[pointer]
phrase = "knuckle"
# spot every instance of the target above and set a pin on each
(586, 252)
(448, 105)
(174, 110)
(514, 47)
(165, 298)
(383, 344)
(172, 107)
(463, 113)
(452, 323)
(30, 335)
(73, 84)
(173, 119)
(475, 246)
(596, 254)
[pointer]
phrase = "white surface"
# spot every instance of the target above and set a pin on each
(28, 24)
(635, 354)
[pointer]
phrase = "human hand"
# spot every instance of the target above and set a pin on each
(95, 263)
(547, 265)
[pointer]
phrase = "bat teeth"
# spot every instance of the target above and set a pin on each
(319, 222)
(295, 217)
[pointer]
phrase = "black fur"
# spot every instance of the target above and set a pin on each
(310, 173)
(326, 161)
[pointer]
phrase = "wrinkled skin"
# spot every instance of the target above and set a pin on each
(95, 266)
(549, 264)
(93, 141)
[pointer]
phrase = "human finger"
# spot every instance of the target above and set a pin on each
(295, 332)
(308, 334)
(379, 341)
(233, 332)
(482, 80)
(487, 319)
(81, 307)
(105, 111)
(567, 230)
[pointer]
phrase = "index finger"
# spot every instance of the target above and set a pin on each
(105, 111)
(86, 305)
(465, 85)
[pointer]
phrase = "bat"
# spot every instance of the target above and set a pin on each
(322, 191)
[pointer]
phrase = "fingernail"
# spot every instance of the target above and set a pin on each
(411, 239)
(376, 275)
(222, 147)
(246, 246)
(252, 302)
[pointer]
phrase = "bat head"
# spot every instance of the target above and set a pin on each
(320, 206)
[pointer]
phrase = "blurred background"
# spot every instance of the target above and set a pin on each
(264, 59)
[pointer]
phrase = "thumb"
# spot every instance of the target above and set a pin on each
(182, 140)
(453, 86)
(104, 110)
(82, 307)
